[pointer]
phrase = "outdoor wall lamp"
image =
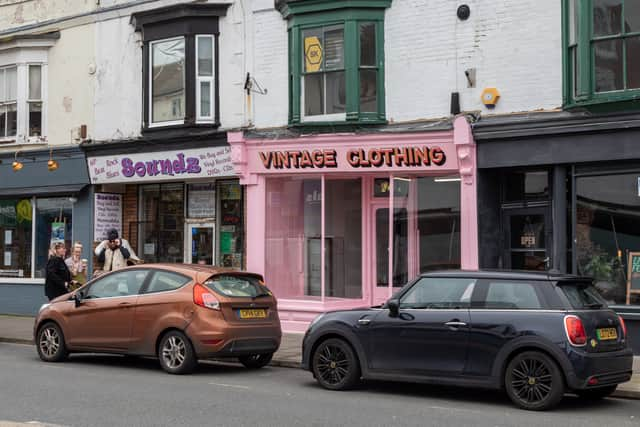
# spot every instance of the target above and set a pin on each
(16, 165)
(51, 164)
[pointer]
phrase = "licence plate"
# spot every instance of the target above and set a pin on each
(607, 334)
(252, 313)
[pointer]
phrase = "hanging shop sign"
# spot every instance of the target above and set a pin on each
(161, 166)
(354, 158)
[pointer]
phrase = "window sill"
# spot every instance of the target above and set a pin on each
(606, 104)
(182, 127)
(338, 124)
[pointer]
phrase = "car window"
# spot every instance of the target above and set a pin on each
(123, 283)
(582, 295)
(237, 285)
(166, 281)
(439, 293)
(511, 295)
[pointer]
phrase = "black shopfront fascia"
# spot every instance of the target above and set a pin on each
(567, 145)
(183, 20)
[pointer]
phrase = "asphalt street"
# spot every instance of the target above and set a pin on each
(96, 390)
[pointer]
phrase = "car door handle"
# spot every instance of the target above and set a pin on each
(125, 303)
(364, 321)
(455, 324)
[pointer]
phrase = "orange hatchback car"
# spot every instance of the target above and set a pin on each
(178, 313)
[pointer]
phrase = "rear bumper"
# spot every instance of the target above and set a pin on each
(592, 370)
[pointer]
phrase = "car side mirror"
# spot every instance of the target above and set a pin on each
(394, 307)
(77, 299)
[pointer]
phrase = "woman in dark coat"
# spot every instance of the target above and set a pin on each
(58, 275)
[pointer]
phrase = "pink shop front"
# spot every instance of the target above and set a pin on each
(338, 221)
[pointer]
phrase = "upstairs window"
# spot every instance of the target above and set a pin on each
(336, 67)
(180, 64)
(8, 102)
(602, 39)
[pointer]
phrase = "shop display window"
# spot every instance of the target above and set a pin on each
(231, 235)
(607, 234)
(161, 229)
(16, 235)
(53, 224)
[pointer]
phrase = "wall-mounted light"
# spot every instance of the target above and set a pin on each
(16, 165)
(52, 165)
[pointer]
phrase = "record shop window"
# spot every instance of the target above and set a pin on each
(180, 65)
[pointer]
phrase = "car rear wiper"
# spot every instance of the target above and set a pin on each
(593, 305)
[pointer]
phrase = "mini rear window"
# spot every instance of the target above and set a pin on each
(237, 286)
(582, 295)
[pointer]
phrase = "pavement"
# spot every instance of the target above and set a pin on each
(19, 330)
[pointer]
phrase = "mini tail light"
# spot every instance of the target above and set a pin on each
(575, 330)
(204, 298)
(623, 326)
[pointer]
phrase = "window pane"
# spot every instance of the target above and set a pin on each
(632, 16)
(205, 56)
(368, 44)
(438, 223)
(161, 226)
(607, 217)
(505, 295)
(343, 245)
(118, 284)
(336, 96)
(35, 81)
(608, 65)
(12, 119)
(292, 247)
(313, 94)
(312, 50)
(11, 83)
(527, 232)
(400, 247)
(35, 118)
(368, 91)
(633, 63)
(15, 244)
(3, 90)
(439, 293)
(231, 244)
(526, 186)
(53, 224)
(205, 99)
(334, 48)
(166, 281)
(168, 94)
(3, 121)
(607, 17)
(572, 22)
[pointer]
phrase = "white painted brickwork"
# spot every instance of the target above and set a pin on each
(514, 46)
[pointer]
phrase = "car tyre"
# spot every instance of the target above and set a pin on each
(335, 365)
(534, 381)
(597, 393)
(50, 343)
(256, 361)
(176, 354)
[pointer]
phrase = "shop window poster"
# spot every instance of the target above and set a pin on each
(57, 232)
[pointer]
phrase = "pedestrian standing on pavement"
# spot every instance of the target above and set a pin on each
(77, 266)
(58, 276)
(114, 252)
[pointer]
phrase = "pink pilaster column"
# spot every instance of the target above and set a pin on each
(255, 215)
(466, 151)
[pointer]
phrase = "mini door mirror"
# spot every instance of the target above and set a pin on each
(394, 307)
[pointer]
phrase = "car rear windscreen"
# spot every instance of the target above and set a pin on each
(582, 295)
(236, 285)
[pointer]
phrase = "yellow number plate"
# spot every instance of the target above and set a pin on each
(607, 334)
(253, 314)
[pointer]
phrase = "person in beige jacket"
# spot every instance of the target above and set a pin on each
(114, 252)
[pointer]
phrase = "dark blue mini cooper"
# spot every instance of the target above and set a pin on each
(536, 335)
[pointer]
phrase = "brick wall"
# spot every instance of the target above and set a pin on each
(130, 216)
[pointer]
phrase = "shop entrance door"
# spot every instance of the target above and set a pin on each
(382, 251)
(200, 244)
(527, 238)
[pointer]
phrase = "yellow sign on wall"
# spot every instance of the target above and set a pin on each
(312, 54)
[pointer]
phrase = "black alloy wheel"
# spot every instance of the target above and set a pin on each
(533, 381)
(335, 365)
(256, 361)
(50, 343)
(597, 393)
(176, 354)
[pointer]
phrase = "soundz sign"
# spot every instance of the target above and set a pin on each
(161, 166)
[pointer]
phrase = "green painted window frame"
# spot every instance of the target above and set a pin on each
(349, 14)
(579, 73)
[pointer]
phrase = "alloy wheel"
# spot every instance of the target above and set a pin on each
(49, 341)
(174, 352)
(532, 381)
(333, 364)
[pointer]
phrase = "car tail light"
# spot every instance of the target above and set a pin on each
(623, 326)
(204, 298)
(575, 330)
